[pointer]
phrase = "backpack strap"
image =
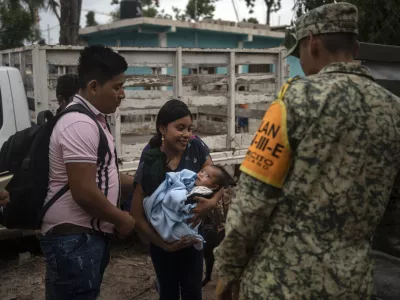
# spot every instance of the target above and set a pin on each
(52, 200)
(102, 151)
(116, 163)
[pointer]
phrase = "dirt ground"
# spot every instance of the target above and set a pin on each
(129, 276)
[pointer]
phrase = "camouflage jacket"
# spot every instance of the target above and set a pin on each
(310, 239)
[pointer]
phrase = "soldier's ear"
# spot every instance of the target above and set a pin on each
(356, 48)
(314, 45)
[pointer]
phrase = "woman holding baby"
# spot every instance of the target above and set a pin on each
(178, 265)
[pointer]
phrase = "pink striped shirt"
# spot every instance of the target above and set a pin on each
(75, 138)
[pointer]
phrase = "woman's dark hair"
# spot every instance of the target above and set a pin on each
(224, 180)
(171, 111)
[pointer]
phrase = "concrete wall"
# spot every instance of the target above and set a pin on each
(139, 40)
(182, 38)
(262, 42)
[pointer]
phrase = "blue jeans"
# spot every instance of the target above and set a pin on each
(179, 273)
(75, 265)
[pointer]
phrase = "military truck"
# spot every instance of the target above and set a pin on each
(384, 63)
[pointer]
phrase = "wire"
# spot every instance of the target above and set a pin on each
(234, 7)
(97, 12)
(6, 31)
(51, 28)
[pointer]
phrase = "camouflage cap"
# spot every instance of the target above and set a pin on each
(329, 18)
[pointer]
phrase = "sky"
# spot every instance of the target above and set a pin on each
(224, 11)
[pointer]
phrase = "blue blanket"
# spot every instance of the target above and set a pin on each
(166, 209)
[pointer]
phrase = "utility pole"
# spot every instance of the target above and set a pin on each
(48, 34)
(195, 10)
(234, 7)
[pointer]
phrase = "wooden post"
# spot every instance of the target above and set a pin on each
(230, 138)
(40, 78)
(20, 61)
(22, 69)
(178, 88)
(163, 43)
(280, 70)
(115, 124)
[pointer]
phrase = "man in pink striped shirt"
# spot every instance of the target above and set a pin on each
(75, 229)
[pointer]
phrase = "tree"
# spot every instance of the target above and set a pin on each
(149, 9)
(195, 10)
(163, 15)
(69, 21)
(251, 20)
(91, 19)
(379, 20)
(68, 13)
(179, 14)
(18, 23)
(200, 9)
(272, 7)
(115, 15)
(302, 6)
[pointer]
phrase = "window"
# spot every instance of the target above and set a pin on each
(259, 68)
(208, 70)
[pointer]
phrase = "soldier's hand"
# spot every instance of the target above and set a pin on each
(227, 290)
(4, 198)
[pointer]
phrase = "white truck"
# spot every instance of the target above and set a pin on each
(14, 112)
(213, 82)
(210, 81)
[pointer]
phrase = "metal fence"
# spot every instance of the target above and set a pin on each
(212, 82)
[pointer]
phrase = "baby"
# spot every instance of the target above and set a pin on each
(170, 206)
(209, 180)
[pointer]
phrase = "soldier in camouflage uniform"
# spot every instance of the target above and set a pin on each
(317, 177)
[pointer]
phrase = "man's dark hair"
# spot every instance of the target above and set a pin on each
(67, 85)
(99, 63)
(339, 42)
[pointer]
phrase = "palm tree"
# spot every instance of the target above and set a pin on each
(68, 13)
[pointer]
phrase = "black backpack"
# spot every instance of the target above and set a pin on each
(26, 155)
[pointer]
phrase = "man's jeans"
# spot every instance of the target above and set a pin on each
(75, 265)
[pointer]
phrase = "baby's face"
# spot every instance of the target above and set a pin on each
(206, 177)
